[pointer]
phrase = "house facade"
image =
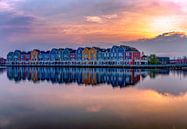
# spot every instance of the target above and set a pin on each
(34, 55)
(17, 56)
(132, 56)
(73, 55)
(79, 54)
(117, 55)
(10, 57)
(86, 54)
(54, 55)
(66, 54)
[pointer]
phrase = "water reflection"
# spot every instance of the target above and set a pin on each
(87, 76)
(154, 101)
(157, 79)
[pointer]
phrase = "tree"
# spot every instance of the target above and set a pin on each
(153, 59)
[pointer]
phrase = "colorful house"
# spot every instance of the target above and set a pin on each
(106, 54)
(17, 55)
(79, 54)
(28, 56)
(10, 56)
(54, 55)
(23, 55)
(34, 55)
(117, 55)
(66, 54)
(47, 56)
(73, 55)
(100, 54)
(41, 56)
(93, 53)
(86, 54)
(114, 53)
(132, 56)
(60, 54)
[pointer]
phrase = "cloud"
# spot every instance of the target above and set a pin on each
(112, 16)
(4, 6)
(94, 19)
(84, 21)
(11, 19)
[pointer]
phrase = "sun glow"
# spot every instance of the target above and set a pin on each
(164, 24)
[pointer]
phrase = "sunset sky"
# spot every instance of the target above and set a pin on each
(28, 24)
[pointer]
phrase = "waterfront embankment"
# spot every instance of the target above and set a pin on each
(169, 66)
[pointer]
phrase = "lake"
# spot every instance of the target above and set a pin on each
(92, 98)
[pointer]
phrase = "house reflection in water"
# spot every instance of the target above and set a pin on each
(86, 76)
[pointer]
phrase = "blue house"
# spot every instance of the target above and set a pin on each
(79, 54)
(60, 54)
(10, 56)
(47, 56)
(73, 55)
(23, 54)
(100, 55)
(54, 56)
(17, 55)
(28, 56)
(41, 56)
(106, 54)
(66, 54)
(121, 52)
(114, 52)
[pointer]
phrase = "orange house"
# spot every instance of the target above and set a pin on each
(86, 54)
(34, 55)
(93, 53)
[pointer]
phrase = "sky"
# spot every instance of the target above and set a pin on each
(43, 24)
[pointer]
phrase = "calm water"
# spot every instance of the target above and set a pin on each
(74, 98)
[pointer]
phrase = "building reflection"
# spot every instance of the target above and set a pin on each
(87, 76)
(2, 70)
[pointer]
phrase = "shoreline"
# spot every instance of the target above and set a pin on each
(169, 66)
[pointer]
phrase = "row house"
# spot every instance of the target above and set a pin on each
(117, 55)
(34, 55)
(79, 52)
(132, 56)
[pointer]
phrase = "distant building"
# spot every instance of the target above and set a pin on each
(179, 61)
(163, 60)
(144, 60)
(2, 61)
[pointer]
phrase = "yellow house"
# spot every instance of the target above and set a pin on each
(93, 53)
(86, 54)
(34, 55)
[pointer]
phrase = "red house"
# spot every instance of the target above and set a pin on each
(132, 55)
